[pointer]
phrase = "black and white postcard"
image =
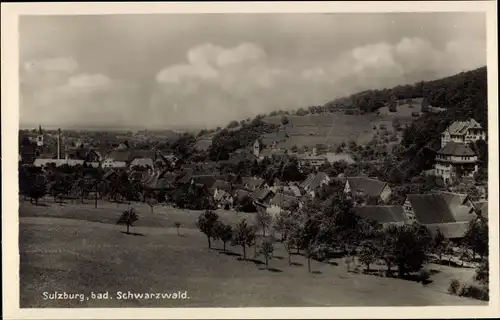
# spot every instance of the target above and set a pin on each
(232, 160)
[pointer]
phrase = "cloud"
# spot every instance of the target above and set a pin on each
(220, 84)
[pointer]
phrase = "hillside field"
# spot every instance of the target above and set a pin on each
(77, 248)
(332, 129)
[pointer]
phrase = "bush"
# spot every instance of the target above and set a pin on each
(454, 286)
(475, 292)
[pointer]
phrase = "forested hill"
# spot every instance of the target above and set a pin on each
(444, 93)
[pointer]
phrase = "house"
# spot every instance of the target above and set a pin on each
(312, 160)
(281, 202)
(313, 182)
(367, 187)
(122, 158)
(142, 162)
(454, 231)
(336, 157)
(439, 208)
(455, 159)
(463, 132)
(262, 196)
(385, 215)
(240, 194)
(252, 183)
(83, 153)
(158, 180)
(208, 181)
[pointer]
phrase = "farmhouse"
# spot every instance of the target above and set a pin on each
(262, 196)
(313, 182)
(439, 208)
(281, 202)
(367, 187)
(252, 183)
(385, 215)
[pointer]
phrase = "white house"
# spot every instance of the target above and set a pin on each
(463, 132)
(454, 159)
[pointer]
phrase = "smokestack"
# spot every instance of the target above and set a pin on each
(58, 143)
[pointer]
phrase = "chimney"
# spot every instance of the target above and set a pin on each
(58, 143)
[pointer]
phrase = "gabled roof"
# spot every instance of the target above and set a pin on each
(221, 185)
(430, 208)
(240, 194)
(252, 182)
(313, 181)
(283, 201)
(382, 214)
(461, 127)
(456, 149)
(368, 186)
(142, 162)
(206, 180)
(454, 230)
(128, 155)
(482, 208)
(334, 157)
(261, 194)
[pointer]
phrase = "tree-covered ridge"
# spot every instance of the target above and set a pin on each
(227, 141)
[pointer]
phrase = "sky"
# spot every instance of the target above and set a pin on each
(174, 71)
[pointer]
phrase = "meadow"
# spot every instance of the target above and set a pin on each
(78, 248)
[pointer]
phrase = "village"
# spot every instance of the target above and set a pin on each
(72, 172)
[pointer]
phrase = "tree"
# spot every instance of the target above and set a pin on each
(207, 222)
(476, 237)
(37, 189)
(244, 236)
(439, 244)
(483, 272)
(284, 120)
(368, 255)
(177, 225)
(264, 219)
(409, 249)
(267, 249)
(224, 232)
(128, 218)
(151, 201)
(233, 124)
(396, 124)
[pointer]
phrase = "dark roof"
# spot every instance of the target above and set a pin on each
(430, 208)
(482, 208)
(369, 186)
(251, 182)
(313, 181)
(128, 155)
(261, 194)
(455, 230)
(284, 201)
(382, 214)
(240, 194)
(221, 185)
(206, 180)
(456, 149)
(108, 174)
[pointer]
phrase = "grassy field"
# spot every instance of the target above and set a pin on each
(75, 248)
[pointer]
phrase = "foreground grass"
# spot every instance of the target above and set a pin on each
(76, 254)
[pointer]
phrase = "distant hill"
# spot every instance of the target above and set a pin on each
(354, 117)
